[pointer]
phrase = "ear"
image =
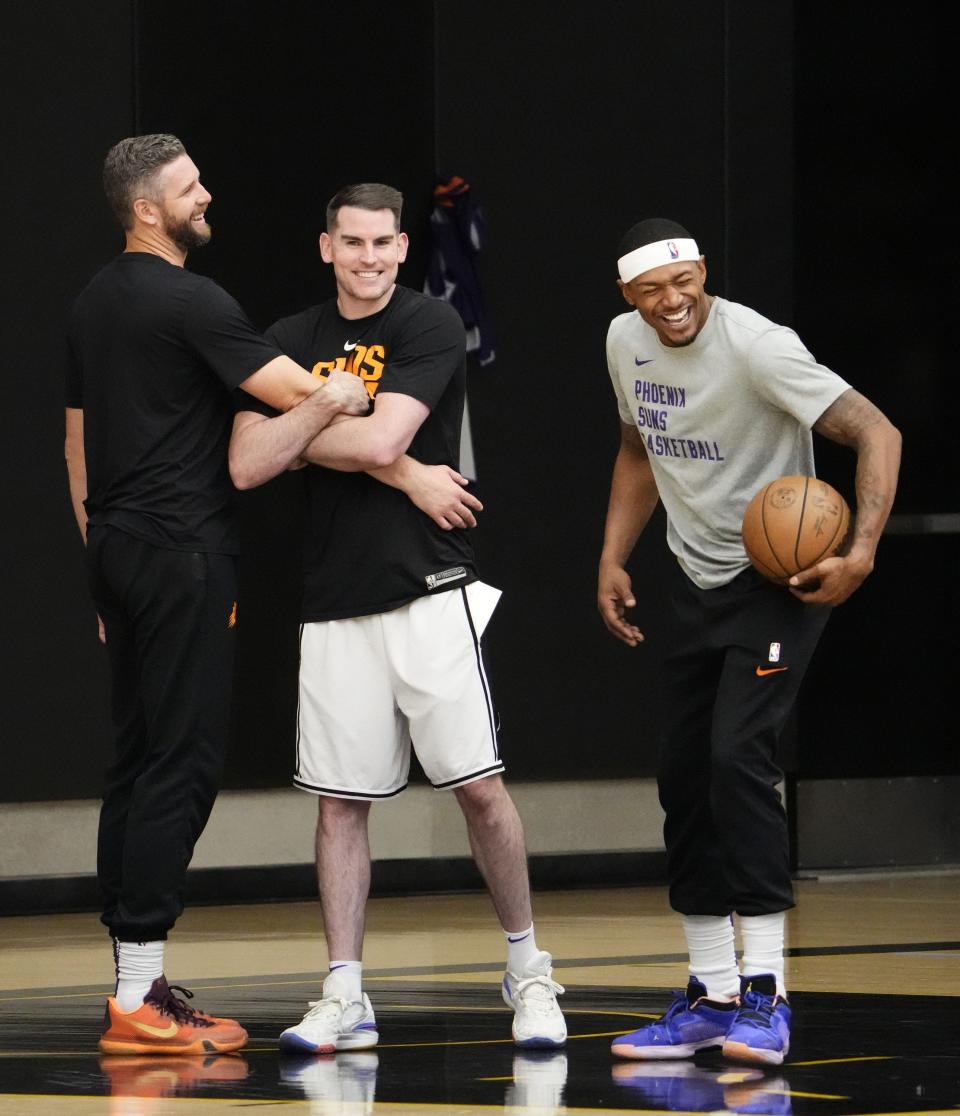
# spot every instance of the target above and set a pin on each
(625, 291)
(702, 268)
(146, 211)
(403, 243)
(326, 248)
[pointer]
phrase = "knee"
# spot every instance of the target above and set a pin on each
(483, 797)
(340, 813)
(745, 762)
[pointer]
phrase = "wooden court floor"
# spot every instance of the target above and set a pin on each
(873, 972)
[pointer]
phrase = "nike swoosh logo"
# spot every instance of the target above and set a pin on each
(638, 362)
(349, 345)
(159, 1032)
(770, 670)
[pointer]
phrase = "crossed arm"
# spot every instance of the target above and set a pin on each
(376, 443)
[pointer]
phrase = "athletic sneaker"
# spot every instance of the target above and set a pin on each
(761, 1030)
(165, 1024)
(332, 1024)
(691, 1023)
(537, 1019)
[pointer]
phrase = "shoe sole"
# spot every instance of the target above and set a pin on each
(662, 1053)
(740, 1052)
(359, 1040)
(198, 1046)
(540, 1042)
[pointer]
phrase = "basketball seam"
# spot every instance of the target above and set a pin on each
(774, 576)
(763, 523)
(803, 512)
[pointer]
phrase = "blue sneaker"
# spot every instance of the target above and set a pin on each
(691, 1023)
(761, 1030)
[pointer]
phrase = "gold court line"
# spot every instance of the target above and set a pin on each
(846, 1061)
(482, 1042)
(796, 1093)
(273, 1049)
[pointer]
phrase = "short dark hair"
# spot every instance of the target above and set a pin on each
(131, 170)
(650, 231)
(365, 195)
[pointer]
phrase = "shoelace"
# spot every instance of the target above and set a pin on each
(756, 1008)
(538, 992)
(176, 1008)
(679, 1004)
(328, 1007)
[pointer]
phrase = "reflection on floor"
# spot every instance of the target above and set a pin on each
(874, 975)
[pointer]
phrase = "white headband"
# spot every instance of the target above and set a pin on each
(655, 255)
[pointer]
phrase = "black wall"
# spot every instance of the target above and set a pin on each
(67, 81)
(569, 128)
(875, 295)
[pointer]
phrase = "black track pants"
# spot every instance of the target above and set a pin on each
(739, 654)
(169, 624)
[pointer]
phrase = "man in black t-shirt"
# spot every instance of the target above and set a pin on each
(393, 614)
(153, 354)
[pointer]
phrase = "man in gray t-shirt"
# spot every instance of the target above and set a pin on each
(715, 401)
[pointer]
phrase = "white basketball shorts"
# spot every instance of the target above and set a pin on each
(371, 685)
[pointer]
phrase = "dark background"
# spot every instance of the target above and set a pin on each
(803, 146)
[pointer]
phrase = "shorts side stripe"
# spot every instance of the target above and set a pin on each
(338, 792)
(491, 716)
(296, 764)
(472, 777)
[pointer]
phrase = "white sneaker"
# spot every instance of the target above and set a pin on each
(537, 1018)
(332, 1024)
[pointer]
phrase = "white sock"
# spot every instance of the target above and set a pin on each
(762, 937)
(521, 948)
(138, 966)
(343, 982)
(713, 956)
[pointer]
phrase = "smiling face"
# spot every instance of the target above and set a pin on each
(672, 300)
(366, 250)
(182, 204)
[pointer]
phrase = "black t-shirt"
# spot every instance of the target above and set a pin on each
(368, 548)
(153, 352)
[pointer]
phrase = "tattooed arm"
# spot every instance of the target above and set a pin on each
(854, 421)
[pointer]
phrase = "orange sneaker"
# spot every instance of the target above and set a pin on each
(165, 1024)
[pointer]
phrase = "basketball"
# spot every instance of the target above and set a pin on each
(792, 524)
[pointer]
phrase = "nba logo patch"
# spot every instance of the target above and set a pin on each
(774, 653)
(672, 249)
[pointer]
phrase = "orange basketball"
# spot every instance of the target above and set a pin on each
(792, 524)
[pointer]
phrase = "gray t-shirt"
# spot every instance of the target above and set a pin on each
(720, 418)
